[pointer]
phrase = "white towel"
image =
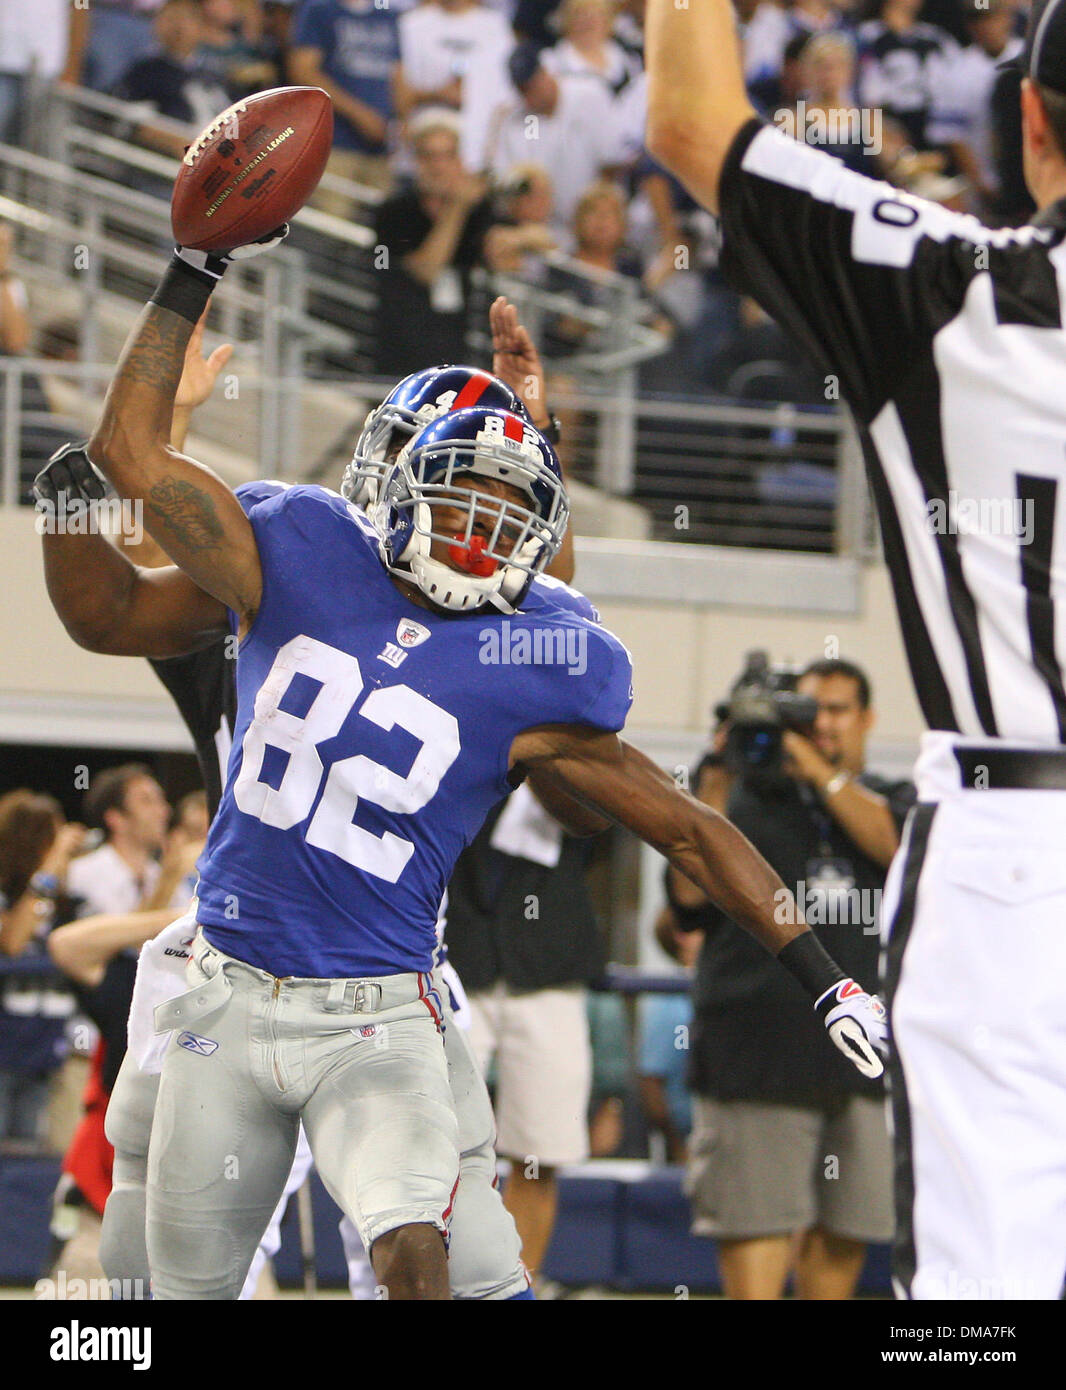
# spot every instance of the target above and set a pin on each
(527, 831)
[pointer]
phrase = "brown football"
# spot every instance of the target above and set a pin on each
(252, 168)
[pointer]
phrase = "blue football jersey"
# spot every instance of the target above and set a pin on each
(372, 739)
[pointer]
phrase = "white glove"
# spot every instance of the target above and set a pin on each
(857, 1023)
(215, 263)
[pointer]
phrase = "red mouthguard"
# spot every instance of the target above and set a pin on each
(472, 558)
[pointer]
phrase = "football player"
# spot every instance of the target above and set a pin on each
(391, 689)
(484, 1260)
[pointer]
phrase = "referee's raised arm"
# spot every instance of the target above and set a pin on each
(697, 102)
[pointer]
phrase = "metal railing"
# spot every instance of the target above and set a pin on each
(712, 473)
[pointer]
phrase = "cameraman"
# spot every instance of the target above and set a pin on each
(790, 1165)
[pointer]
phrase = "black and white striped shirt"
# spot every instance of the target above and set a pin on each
(947, 340)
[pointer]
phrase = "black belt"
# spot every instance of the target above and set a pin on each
(1019, 769)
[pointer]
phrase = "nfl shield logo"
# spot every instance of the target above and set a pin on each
(409, 633)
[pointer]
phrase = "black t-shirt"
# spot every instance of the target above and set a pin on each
(754, 1033)
(178, 92)
(524, 923)
(204, 688)
(417, 328)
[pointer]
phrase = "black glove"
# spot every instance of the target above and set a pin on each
(69, 473)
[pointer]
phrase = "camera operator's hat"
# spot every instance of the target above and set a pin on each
(1043, 57)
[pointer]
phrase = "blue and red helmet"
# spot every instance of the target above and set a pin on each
(499, 542)
(408, 407)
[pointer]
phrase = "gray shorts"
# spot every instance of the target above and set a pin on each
(761, 1169)
(361, 1062)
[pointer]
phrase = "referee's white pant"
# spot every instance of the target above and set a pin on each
(974, 929)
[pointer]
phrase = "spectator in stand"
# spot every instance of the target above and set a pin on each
(664, 1022)
(36, 846)
(827, 115)
(767, 33)
(587, 46)
(454, 53)
(566, 124)
(128, 805)
(232, 52)
(169, 83)
(99, 956)
(902, 65)
(600, 234)
(39, 40)
(522, 229)
(277, 33)
(962, 115)
(587, 49)
(121, 33)
(350, 48)
(121, 887)
(533, 21)
(429, 239)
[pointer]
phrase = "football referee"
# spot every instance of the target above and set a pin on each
(946, 338)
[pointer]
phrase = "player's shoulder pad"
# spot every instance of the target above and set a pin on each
(251, 494)
(547, 591)
(307, 506)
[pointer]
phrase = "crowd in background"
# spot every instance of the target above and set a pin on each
(502, 131)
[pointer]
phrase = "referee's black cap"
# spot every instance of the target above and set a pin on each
(1043, 57)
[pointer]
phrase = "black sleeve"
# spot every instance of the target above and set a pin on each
(900, 796)
(862, 275)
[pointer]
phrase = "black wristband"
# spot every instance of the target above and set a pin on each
(811, 964)
(184, 290)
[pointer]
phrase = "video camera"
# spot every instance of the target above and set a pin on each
(762, 704)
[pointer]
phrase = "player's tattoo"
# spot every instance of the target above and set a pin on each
(157, 356)
(188, 511)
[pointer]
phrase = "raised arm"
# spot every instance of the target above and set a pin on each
(696, 97)
(82, 949)
(617, 780)
(104, 598)
(611, 775)
(190, 511)
(516, 361)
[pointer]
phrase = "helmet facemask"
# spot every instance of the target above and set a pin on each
(499, 544)
(386, 429)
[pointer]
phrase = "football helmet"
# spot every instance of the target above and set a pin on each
(416, 401)
(497, 543)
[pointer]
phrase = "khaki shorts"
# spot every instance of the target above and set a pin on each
(543, 1070)
(761, 1169)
